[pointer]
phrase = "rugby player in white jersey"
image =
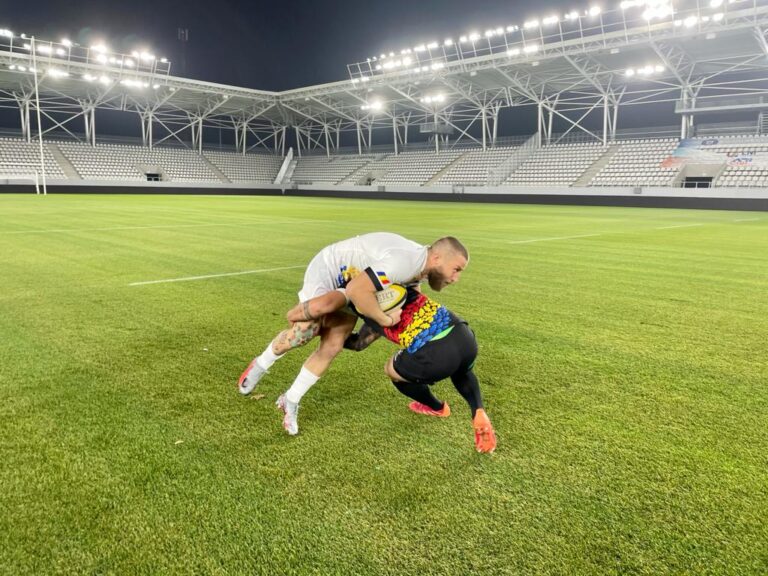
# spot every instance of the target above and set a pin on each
(355, 269)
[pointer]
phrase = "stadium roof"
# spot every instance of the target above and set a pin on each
(570, 65)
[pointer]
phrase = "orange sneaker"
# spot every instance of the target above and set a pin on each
(420, 408)
(485, 437)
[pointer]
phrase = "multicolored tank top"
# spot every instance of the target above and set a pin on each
(421, 320)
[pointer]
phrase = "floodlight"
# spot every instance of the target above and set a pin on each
(438, 66)
(572, 15)
(513, 52)
(489, 33)
(595, 10)
(89, 77)
(5, 32)
(550, 20)
(378, 66)
(420, 48)
(44, 49)
(499, 31)
(164, 60)
(135, 54)
(391, 54)
(716, 3)
(106, 80)
(128, 62)
(12, 67)
(355, 80)
(27, 47)
(101, 58)
(22, 68)
(531, 24)
(56, 73)
(463, 39)
(155, 86)
(658, 68)
(432, 45)
(630, 72)
(474, 36)
(147, 57)
(112, 60)
(511, 28)
(531, 48)
(448, 42)
(407, 61)
(99, 48)
(60, 52)
(717, 17)
(690, 21)
(364, 78)
(66, 42)
(383, 56)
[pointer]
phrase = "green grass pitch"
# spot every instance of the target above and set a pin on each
(623, 358)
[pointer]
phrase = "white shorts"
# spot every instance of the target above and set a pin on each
(319, 279)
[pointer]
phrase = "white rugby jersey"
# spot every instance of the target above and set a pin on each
(387, 259)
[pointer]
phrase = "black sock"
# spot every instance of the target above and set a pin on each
(469, 388)
(420, 393)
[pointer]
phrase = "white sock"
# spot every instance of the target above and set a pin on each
(304, 381)
(268, 357)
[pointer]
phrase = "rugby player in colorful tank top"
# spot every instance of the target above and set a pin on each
(435, 344)
(350, 270)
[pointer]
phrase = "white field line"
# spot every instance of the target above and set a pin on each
(161, 226)
(747, 220)
(678, 226)
(190, 278)
(553, 238)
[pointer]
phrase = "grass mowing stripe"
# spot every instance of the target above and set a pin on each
(625, 378)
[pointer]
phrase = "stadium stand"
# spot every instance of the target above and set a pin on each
(638, 162)
(556, 165)
(324, 170)
(122, 162)
(21, 158)
(749, 174)
(411, 168)
(248, 167)
(472, 168)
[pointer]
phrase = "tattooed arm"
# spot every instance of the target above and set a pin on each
(317, 307)
(358, 341)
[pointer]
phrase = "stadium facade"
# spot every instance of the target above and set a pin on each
(427, 119)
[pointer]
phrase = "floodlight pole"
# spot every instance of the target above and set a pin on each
(437, 136)
(485, 128)
(39, 122)
(394, 134)
(359, 141)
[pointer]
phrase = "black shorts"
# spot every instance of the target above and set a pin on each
(439, 359)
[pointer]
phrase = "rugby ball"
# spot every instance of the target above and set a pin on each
(392, 297)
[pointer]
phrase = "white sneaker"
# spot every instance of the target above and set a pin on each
(250, 377)
(291, 411)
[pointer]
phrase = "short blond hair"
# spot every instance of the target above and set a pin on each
(451, 244)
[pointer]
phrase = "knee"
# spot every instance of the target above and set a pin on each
(330, 349)
(389, 370)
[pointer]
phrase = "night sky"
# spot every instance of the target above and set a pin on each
(267, 44)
